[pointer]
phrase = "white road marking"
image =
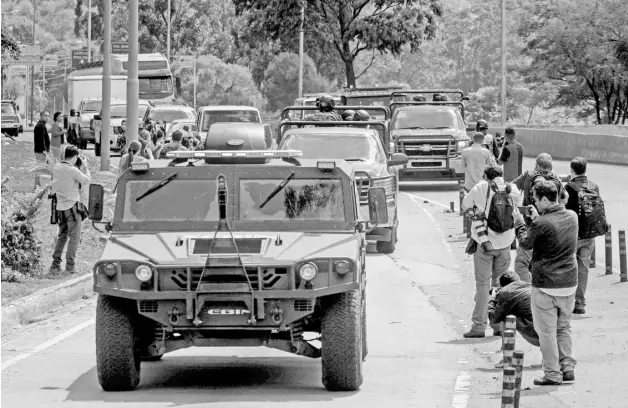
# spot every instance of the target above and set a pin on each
(463, 380)
(428, 200)
(43, 346)
(461, 390)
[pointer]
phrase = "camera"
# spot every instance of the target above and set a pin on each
(79, 161)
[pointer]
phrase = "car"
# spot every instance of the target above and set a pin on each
(237, 248)
(87, 109)
(208, 115)
(432, 135)
(11, 124)
(366, 152)
(164, 114)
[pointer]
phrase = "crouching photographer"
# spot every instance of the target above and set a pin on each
(68, 176)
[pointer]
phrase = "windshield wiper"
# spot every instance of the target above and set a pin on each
(158, 186)
(277, 189)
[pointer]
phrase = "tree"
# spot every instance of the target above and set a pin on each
(349, 27)
(9, 47)
(280, 86)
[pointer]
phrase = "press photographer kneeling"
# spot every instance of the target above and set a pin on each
(68, 176)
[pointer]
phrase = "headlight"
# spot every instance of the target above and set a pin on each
(110, 270)
(463, 144)
(143, 273)
(308, 271)
(342, 267)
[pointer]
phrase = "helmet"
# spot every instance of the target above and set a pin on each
(444, 98)
(481, 125)
(420, 98)
(348, 115)
(437, 97)
(325, 103)
(362, 115)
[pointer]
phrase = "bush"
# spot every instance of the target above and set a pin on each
(20, 248)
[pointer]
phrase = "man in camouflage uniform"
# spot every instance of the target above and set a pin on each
(325, 105)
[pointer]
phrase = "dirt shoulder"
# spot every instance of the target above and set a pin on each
(17, 159)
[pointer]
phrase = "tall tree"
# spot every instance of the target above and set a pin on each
(348, 27)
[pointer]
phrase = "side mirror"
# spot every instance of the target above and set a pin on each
(378, 208)
(96, 201)
(398, 159)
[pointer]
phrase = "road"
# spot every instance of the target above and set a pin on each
(419, 304)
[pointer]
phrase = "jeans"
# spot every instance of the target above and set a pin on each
(522, 263)
(583, 255)
(552, 322)
(69, 230)
(488, 265)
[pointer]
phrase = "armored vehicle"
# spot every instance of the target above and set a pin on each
(431, 133)
(359, 144)
(226, 248)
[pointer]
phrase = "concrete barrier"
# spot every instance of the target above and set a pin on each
(567, 145)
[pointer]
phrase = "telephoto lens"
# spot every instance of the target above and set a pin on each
(479, 225)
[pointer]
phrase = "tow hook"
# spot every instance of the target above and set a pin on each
(277, 315)
(174, 316)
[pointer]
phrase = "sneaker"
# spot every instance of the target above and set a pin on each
(54, 269)
(473, 335)
(569, 376)
(546, 381)
(579, 310)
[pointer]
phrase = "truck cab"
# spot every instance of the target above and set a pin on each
(228, 248)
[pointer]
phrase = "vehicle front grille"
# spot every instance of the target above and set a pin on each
(9, 119)
(303, 305)
(427, 164)
(225, 246)
(426, 148)
(149, 306)
(269, 276)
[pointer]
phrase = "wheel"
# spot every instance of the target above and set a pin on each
(117, 358)
(388, 247)
(152, 358)
(341, 334)
(365, 348)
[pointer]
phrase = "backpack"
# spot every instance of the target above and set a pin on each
(501, 208)
(538, 176)
(591, 212)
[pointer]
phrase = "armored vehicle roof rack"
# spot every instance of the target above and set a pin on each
(384, 109)
(373, 89)
(459, 104)
(431, 91)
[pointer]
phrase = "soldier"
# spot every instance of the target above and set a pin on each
(437, 97)
(362, 116)
(348, 115)
(325, 105)
(420, 98)
(489, 140)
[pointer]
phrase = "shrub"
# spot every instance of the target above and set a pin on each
(20, 248)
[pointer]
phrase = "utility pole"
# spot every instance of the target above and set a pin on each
(301, 40)
(194, 82)
(106, 89)
(89, 31)
(43, 84)
(32, 104)
(169, 20)
(132, 83)
(503, 52)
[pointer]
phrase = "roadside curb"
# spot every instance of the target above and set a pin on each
(36, 305)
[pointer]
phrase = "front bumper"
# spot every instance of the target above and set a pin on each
(432, 169)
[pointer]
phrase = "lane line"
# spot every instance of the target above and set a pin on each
(43, 346)
(427, 199)
(434, 221)
(461, 390)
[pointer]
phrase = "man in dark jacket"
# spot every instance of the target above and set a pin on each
(513, 299)
(511, 156)
(42, 143)
(585, 246)
(553, 237)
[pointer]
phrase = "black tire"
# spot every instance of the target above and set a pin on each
(341, 333)
(365, 347)
(152, 358)
(388, 247)
(117, 357)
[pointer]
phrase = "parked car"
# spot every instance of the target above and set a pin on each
(208, 115)
(164, 115)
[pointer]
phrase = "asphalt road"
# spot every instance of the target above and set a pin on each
(419, 304)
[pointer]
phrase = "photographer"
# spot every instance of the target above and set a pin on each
(68, 175)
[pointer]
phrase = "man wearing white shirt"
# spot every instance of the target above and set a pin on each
(489, 261)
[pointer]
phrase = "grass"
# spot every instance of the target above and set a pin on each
(17, 159)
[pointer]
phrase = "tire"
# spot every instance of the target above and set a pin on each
(152, 358)
(341, 333)
(365, 347)
(117, 357)
(388, 247)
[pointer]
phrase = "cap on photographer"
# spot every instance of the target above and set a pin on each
(67, 177)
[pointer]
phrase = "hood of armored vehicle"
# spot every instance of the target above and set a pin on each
(256, 248)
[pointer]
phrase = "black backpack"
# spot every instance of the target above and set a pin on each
(538, 176)
(502, 206)
(591, 212)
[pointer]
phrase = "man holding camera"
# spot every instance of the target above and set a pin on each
(68, 175)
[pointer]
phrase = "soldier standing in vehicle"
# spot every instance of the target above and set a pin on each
(325, 105)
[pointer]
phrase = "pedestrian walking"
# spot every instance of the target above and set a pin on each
(41, 141)
(553, 238)
(585, 201)
(489, 140)
(511, 156)
(474, 160)
(493, 202)
(133, 155)
(57, 141)
(68, 175)
(542, 171)
(72, 128)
